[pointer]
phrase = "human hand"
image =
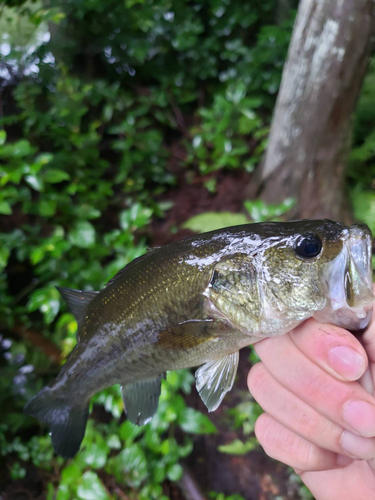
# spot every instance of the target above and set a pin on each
(317, 418)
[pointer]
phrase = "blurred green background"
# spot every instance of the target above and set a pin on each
(128, 124)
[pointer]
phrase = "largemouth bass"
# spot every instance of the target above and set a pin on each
(196, 303)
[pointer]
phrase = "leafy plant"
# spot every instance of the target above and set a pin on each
(221, 496)
(258, 211)
(102, 103)
(263, 212)
(238, 447)
(210, 221)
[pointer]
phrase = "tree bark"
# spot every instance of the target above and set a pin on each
(321, 82)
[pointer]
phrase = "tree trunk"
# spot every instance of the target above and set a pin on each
(321, 82)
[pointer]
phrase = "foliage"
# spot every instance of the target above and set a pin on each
(257, 210)
(220, 139)
(238, 447)
(263, 212)
(361, 170)
(220, 496)
(210, 221)
(364, 206)
(244, 415)
(137, 457)
(101, 103)
(362, 155)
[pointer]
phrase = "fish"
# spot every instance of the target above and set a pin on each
(196, 303)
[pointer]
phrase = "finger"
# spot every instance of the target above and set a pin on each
(368, 338)
(284, 445)
(310, 425)
(334, 349)
(367, 381)
(345, 403)
(356, 482)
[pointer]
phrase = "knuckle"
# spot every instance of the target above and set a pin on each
(332, 330)
(311, 329)
(261, 428)
(311, 456)
(257, 377)
(309, 423)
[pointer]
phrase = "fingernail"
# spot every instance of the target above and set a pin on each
(346, 362)
(360, 416)
(343, 461)
(357, 446)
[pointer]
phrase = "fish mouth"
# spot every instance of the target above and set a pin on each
(348, 281)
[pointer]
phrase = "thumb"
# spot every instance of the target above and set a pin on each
(368, 341)
(368, 338)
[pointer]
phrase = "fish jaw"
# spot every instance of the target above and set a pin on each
(348, 282)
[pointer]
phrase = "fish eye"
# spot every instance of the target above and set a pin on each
(308, 246)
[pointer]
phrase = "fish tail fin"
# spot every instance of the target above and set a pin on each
(67, 424)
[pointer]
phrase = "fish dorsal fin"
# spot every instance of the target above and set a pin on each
(152, 249)
(132, 264)
(141, 399)
(77, 301)
(215, 379)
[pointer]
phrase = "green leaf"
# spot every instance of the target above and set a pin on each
(44, 158)
(364, 207)
(129, 466)
(129, 431)
(4, 255)
(17, 471)
(95, 455)
(53, 176)
(47, 208)
(137, 216)
(47, 301)
(238, 447)
(3, 137)
(159, 471)
(5, 208)
(114, 442)
(86, 211)
(194, 422)
(210, 221)
(71, 474)
(82, 235)
(35, 182)
(175, 472)
(63, 492)
(18, 149)
(262, 212)
(91, 488)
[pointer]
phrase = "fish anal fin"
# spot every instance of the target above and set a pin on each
(77, 301)
(215, 378)
(141, 399)
(187, 335)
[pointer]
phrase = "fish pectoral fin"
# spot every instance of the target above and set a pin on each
(215, 378)
(77, 301)
(188, 334)
(141, 399)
